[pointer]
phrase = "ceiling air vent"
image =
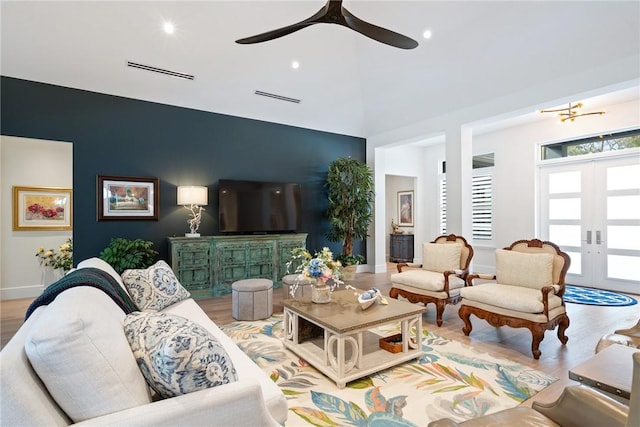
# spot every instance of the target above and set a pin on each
(160, 70)
(280, 97)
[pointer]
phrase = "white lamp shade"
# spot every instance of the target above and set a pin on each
(192, 195)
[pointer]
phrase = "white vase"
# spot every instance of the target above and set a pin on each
(321, 292)
(50, 275)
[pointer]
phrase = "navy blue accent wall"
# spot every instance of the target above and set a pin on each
(113, 135)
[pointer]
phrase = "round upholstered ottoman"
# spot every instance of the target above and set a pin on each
(252, 299)
(304, 286)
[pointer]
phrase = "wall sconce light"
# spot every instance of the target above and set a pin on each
(193, 198)
(571, 112)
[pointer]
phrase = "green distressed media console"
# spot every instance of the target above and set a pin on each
(207, 266)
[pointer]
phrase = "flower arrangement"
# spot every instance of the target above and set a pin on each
(63, 259)
(320, 267)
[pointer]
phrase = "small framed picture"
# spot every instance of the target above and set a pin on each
(127, 198)
(405, 208)
(41, 208)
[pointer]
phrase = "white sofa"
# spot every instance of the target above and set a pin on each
(96, 324)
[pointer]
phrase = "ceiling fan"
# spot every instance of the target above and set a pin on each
(334, 13)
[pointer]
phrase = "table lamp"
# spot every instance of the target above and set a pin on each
(193, 198)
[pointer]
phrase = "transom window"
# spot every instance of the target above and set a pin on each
(595, 144)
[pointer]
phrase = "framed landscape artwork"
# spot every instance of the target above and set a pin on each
(41, 208)
(127, 198)
(405, 208)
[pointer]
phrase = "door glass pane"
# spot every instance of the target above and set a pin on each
(564, 182)
(576, 262)
(565, 235)
(623, 207)
(623, 177)
(623, 267)
(564, 208)
(623, 237)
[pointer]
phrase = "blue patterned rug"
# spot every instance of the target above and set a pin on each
(591, 296)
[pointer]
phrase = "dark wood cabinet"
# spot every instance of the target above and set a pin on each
(401, 248)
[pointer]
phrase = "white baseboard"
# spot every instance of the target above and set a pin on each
(21, 292)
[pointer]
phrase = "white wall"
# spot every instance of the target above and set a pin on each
(517, 154)
(28, 163)
(515, 195)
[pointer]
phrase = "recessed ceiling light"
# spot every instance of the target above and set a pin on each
(426, 34)
(168, 27)
(295, 65)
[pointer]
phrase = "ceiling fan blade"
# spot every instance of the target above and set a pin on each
(377, 33)
(273, 34)
(279, 32)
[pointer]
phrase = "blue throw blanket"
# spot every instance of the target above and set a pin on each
(85, 277)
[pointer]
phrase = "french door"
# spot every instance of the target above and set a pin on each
(591, 209)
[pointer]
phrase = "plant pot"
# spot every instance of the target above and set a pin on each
(349, 272)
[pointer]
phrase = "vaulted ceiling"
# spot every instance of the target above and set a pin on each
(479, 52)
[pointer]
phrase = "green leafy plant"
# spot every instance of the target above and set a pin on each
(351, 196)
(123, 254)
(348, 260)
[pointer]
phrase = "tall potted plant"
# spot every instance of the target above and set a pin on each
(351, 195)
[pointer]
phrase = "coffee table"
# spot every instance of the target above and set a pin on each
(609, 370)
(336, 337)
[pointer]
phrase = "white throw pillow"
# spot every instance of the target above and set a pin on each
(532, 270)
(154, 288)
(441, 257)
(176, 355)
(79, 351)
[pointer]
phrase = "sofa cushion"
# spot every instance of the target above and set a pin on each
(531, 270)
(246, 368)
(516, 298)
(80, 353)
(441, 257)
(425, 280)
(176, 355)
(154, 288)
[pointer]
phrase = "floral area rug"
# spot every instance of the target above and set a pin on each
(450, 380)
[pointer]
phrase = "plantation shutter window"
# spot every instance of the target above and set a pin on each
(481, 205)
(443, 206)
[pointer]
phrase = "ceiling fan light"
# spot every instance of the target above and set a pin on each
(427, 34)
(168, 27)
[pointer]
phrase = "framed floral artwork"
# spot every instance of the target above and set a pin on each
(42, 208)
(127, 198)
(405, 208)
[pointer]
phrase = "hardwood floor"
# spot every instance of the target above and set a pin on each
(588, 324)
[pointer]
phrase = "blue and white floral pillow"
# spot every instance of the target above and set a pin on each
(177, 356)
(154, 288)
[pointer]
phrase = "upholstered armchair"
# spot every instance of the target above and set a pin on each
(445, 265)
(526, 291)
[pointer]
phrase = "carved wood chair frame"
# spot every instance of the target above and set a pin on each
(415, 297)
(537, 329)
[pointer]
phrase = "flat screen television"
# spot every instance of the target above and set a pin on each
(257, 207)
